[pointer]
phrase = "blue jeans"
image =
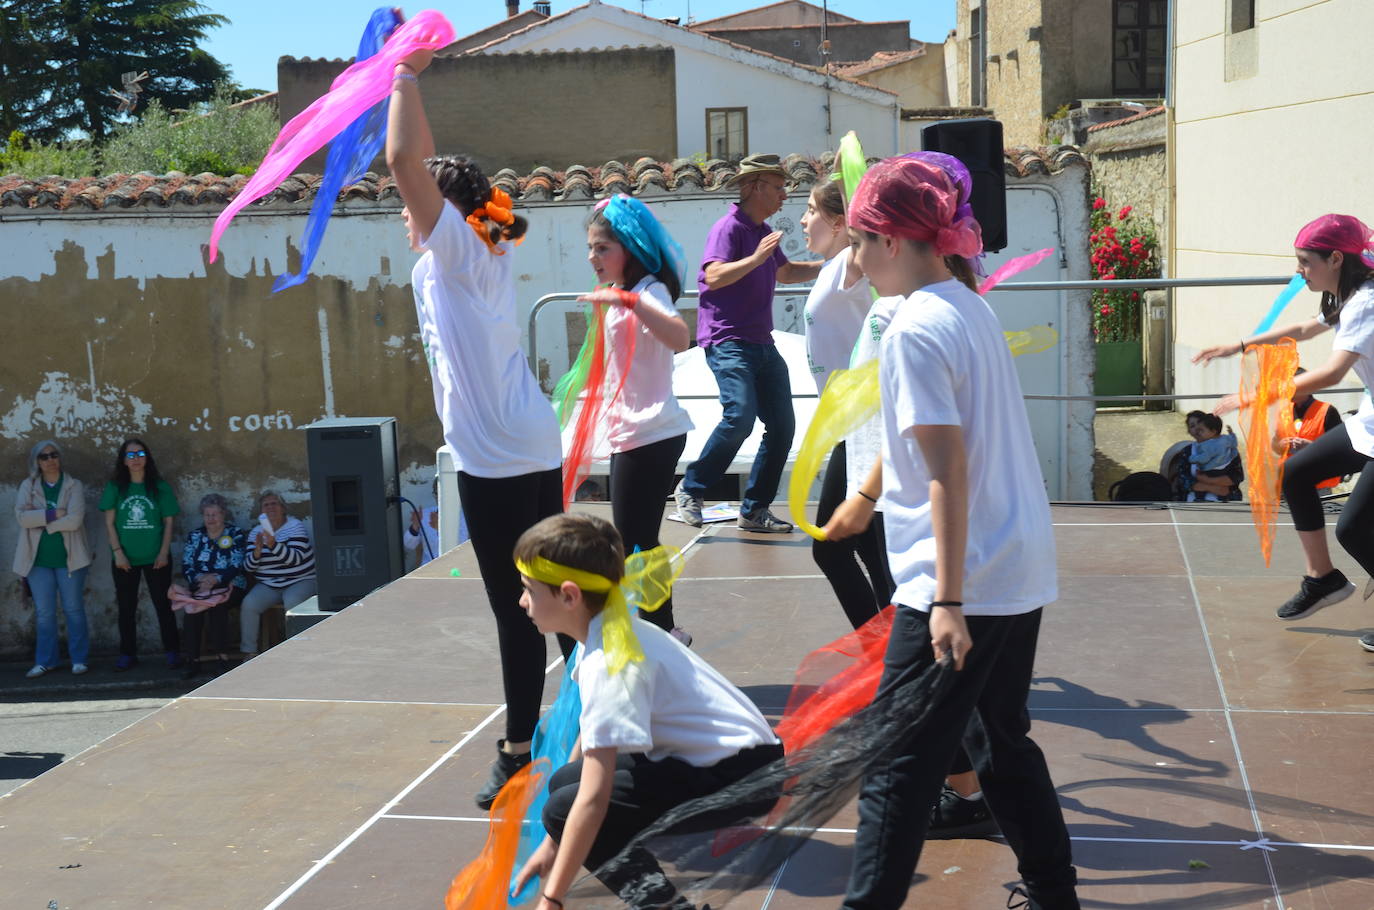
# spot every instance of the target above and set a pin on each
(47, 586)
(753, 382)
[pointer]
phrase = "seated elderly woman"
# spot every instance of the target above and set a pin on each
(282, 559)
(212, 562)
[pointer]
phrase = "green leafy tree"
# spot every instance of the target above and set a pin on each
(34, 159)
(23, 68)
(89, 44)
(215, 137)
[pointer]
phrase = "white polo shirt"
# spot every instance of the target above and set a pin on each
(944, 361)
(672, 704)
(496, 420)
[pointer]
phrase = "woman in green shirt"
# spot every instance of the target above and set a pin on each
(139, 507)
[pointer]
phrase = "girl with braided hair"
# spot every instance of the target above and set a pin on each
(503, 433)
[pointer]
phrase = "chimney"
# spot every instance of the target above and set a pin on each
(542, 7)
(512, 8)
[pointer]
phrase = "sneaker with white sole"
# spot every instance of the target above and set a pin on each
(764, 522)
(36, 671)
(688, 506)
(954, 816)
(78, 669)
(1315, 593)
(1367, 641)
(682, 635)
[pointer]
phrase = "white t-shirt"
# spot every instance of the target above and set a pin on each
(495, 418)
(944, 362)
(1355, 333)
(833, 316)
(672, 704)
(865, 445)
(647, 411)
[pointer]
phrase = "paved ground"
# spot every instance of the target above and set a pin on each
(1206, 755)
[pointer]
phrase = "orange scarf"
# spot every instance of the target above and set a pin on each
(497, 208)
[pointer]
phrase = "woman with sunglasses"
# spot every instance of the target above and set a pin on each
(53, 555)
(139, 507)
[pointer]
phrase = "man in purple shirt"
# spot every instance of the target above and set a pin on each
(739, 272)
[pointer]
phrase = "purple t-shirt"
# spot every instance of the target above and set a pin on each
(742, 311)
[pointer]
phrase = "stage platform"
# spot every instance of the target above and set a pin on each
(1206, 754)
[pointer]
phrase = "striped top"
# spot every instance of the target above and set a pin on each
(290, 560)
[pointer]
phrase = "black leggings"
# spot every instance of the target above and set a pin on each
(861, 596)
(126, 595)
(1332, 455)
(498, 511)
(641, 481)
(218, 620)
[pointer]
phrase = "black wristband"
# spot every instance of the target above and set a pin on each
(869, 498)
(946, 603)
(553, 900)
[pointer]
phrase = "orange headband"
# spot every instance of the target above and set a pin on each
(497, 208)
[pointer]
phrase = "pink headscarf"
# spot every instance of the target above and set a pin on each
(1346, 233)
(907, 197)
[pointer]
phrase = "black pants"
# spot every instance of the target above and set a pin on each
(861, 596)
(1331, 455)
(126, 596)
(498, 511)
(641, 792)
(641, 481)
(895, 803)
(217, 618)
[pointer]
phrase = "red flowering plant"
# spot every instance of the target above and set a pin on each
(1123, 246)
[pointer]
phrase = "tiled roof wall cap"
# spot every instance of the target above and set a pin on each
(646, 176)
(1131, 119)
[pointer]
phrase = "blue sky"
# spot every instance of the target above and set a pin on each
(260, 31)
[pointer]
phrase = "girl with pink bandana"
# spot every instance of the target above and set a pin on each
(1336, 257)
(969, 542)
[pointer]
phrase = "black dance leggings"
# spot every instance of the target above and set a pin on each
(641, 480)
(1332, 455)
(498, 511)
(861, 596)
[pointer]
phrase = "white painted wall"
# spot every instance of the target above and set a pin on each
(786, 114)
(1256, 158)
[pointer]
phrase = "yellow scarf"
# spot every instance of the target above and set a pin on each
(647, 583)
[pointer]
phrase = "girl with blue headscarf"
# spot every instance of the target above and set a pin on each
(639, 270)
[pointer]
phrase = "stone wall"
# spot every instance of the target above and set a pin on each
(1129, 167)
(848, 42)
(526, 110)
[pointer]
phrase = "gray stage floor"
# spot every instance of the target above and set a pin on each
(1206, 754)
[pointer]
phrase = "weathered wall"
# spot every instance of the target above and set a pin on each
(775, 14)
(919, 82)
(1304, 101)
(848, 42)
(1130, 168)
(526, 110)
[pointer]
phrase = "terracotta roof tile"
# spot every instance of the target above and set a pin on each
(1131, 119)
(878, 61)
(644, 177)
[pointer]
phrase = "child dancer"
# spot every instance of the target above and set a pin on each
(503, 433)
(655, 733)
(969, 541)
(639, 271)
(835, 313)
(1336, 257)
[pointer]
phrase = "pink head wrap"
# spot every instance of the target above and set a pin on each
(1346, 233)
(907, 197)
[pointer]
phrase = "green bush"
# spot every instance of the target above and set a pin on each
(28, 158)
(215, 138)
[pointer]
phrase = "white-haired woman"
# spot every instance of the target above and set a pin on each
(212, 562)
(53, 554)
(283, 562)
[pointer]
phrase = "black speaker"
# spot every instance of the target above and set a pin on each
(354, 485)
(977, 143)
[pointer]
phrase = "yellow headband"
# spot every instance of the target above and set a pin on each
(647, 584)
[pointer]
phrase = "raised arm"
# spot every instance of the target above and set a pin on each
(409, 142)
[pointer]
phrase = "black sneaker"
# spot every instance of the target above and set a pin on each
(955, 817)
(502, 770)
(1316, 593)
(1367, 641)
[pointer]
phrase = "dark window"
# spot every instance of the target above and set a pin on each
(727, 132)
(1242, 15)
(1139, 46)
(978, 62)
